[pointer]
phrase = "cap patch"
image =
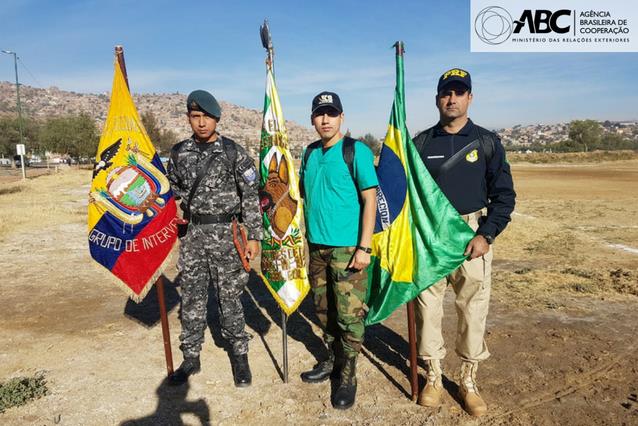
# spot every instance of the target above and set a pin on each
(454, 72)
(325, 99)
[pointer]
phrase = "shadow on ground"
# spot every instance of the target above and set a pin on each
(382, 347)
(171, 405)
(147, 312)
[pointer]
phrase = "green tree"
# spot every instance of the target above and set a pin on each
(73, 135)
(586, 134)
(614, 141)
(163, 140)
(10, 135)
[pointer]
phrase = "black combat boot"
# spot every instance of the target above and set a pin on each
(321, 371)
(347, 390)
(189, 367)
(241, 370)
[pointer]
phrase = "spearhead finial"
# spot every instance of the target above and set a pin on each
(264, 31)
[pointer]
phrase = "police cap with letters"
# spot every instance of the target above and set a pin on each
(455, 74)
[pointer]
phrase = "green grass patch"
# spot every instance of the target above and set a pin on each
(20, 390)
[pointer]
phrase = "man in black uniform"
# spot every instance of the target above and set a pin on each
(468, 163)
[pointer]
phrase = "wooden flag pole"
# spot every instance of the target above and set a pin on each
(414, 378)
(159, 284)
(119, 52)
(168, 354)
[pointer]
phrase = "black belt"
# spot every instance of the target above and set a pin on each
(207, 219)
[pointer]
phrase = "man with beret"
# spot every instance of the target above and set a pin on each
(217, 182)
(340, 200)
(468, 163)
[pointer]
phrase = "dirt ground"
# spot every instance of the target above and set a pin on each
(562, 326)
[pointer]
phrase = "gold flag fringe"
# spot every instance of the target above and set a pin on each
(287, 309)
(137, 298)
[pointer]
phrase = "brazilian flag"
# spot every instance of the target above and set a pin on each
(419, 237)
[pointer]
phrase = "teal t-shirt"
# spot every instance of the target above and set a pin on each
(331, 204)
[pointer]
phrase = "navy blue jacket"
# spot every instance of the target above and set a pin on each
(474, 182)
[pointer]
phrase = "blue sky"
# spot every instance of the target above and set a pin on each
(342, 46)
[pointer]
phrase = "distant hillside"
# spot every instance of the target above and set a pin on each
(239, 123)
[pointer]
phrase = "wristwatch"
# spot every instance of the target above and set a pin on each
(488, 238)
(365, 249)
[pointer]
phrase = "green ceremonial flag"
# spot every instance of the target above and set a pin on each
(283, 261)
(419, 237)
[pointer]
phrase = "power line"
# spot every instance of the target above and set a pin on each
(29, 72)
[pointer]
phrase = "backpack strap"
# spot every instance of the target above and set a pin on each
(347, 149)
(486, 139)
(230, 150)
(175, 152)
(308, 151)
(198, 178)
(174, 155)
(456, 158)
(306, 156)
(423, 138)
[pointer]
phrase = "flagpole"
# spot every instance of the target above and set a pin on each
(414, 378)
(119, 52)
(266, 41)
(159, 284)
(284, 334)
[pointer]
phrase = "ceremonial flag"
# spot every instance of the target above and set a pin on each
(419, 237)
(131, 223)
(283, 263)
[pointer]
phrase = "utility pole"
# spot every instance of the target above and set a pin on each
(15, 63)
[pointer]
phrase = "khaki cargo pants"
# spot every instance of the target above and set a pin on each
(472, 283)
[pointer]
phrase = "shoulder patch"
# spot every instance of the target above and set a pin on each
(247, 171)
(250, 175)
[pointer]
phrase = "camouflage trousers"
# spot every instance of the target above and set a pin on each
(207, 256)
(339, 296)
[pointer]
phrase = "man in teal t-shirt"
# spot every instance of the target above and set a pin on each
(340, 207)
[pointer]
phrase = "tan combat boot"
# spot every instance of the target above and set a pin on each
(431, 394)
(472, 400)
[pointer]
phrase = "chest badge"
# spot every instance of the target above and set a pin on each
(472, 156)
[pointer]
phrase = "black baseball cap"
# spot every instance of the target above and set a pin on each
(327, 100)
(201, 100)
(452, 75)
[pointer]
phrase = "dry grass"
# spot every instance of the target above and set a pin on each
(571, 157)
(558, 243)
(54, 199)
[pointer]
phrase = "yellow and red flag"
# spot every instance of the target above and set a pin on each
(131, 222)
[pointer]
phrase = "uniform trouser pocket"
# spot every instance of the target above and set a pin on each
(323, 294)
(350, 288)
